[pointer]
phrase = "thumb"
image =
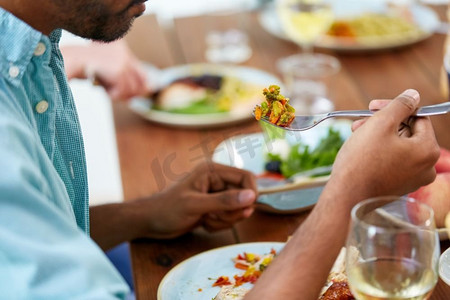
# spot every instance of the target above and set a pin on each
(225, 200)
(402, 107)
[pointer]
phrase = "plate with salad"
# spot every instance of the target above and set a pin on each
(291, 167)
(202, 95)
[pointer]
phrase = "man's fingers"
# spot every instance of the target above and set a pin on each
(378, 104)
(358, 123)
(222, 201)
(230, 176)
(222, 220)
(401, 107)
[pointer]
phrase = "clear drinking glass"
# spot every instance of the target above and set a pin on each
(392, 249)
(226, 38)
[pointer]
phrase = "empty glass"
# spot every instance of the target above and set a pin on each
(309, 83)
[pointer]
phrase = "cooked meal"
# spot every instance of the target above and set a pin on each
(206, 94)
(338, 290)
(230, 292)
(336, 287)
(253, 265)
(372, 25)
(275, 108)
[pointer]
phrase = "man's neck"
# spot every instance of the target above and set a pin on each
(36, 13)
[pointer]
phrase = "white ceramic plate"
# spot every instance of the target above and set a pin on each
(248, 152)
(425, 19)
(143, 106)
(192, 278)
(444, 266)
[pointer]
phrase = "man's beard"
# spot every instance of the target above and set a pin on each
(93, 21)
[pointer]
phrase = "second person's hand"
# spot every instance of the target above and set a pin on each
(213, 196)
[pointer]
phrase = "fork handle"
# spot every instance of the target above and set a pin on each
(350, 113)
(430, 110)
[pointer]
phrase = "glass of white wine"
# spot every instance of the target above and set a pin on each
(303, 22)
(392, 250)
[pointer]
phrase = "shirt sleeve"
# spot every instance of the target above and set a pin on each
(43, 254)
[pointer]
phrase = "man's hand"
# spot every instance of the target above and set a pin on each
(390, 152)
(213, 196)
(376, 160)
(111, 65)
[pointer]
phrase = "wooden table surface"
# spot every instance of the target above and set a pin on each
(154, 156)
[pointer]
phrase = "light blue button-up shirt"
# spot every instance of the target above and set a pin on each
(45, 249)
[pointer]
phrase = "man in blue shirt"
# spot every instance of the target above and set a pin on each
(45, 248)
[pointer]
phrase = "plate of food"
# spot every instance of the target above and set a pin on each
(203, 95)
(367, 25)
(229, 273)
(203, 275)
(291, 167)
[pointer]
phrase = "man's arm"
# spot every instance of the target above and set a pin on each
(375, 161)
(43, 253)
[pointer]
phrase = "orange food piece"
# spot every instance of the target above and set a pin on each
(222, 280)
(273, 118)
(258, 113)
(241, 266)
(341, 28)
(338, 290)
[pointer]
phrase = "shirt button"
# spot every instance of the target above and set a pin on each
(42, 107)
(40, 49)
(14, 71)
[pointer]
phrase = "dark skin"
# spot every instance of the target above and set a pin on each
(102, 20)
(212, 196)
(363, 169)
(215, 196)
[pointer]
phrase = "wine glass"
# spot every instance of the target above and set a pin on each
(304, 21)
(392, 249)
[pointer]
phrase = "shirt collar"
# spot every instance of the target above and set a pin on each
(18, 41)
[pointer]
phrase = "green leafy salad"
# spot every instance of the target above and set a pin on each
(301, 157)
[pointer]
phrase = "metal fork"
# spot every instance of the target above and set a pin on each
(302, 122)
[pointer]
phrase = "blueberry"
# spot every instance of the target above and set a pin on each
(273, 166)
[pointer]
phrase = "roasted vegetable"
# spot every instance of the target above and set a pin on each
(275, 108)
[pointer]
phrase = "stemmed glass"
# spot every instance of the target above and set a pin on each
(304, 21)
(392, 249)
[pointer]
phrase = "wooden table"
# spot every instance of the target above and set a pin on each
(153, 156)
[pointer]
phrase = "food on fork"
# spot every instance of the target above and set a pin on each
(275, 108)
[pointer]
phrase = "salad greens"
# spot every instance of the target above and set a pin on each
(302, 158)
(201, 106)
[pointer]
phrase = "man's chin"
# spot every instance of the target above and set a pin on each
(108, 36)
